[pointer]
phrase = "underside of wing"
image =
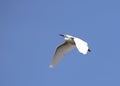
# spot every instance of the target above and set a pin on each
(81, 45)
(60, 52)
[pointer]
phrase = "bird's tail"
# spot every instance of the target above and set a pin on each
(89, 50)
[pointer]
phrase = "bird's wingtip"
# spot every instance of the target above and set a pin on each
(51, 66)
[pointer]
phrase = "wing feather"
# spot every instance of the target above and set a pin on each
(60, 52)
(81, 45)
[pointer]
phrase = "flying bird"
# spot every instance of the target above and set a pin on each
(70, 43)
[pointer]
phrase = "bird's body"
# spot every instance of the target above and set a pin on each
(70, 43)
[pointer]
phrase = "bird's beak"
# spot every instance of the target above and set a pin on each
(62, 35)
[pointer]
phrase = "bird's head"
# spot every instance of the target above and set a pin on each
(66, 36)
(62, 35)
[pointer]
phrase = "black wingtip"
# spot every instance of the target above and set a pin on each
(89, 50)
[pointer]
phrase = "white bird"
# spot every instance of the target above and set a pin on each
(70, 43)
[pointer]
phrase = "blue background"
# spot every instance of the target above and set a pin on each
(29, 34)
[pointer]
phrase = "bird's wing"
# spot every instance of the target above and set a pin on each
(81, 45)
(60, 52)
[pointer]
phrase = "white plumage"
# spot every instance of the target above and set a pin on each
(81, 45)
(70, 43)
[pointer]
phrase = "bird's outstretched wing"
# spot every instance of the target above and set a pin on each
(60, 52)
(81, 45)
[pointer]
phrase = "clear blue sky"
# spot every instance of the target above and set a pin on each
(29, 34)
